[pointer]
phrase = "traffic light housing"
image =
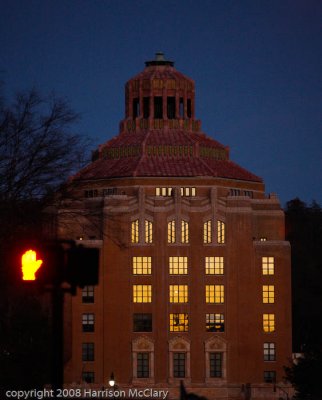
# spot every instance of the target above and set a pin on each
(55, 262)
(83, 263)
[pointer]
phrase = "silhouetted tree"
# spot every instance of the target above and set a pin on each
(38, 151)
(304, 231)
(38, 148)
(305, 376)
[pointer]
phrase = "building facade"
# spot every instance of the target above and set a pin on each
(194, 281)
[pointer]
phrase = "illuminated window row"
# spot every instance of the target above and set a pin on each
(208, 232)
(147, 231)
(175, 232)
(178, 265)
(168, 191)
(179, 294)
(178, 322)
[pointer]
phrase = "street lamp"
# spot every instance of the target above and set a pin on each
(111, 381)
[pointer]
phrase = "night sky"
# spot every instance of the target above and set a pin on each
(257, 65)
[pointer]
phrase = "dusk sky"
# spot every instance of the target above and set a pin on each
(257, 65)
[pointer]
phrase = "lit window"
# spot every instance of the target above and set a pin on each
(142, 323)
(184, 232)
(88, 376)
(178, 322)
(88, 294)
(207, 235)
(178, 293)
(214, 265)
(215, 323)
(269, 352)
(179, 365)
(178, 265)
(171, 231)
(269, 322)
(135, 231)
(87, 351)
(268, 294)
(220, 232)
(143, 365)
(216, 364)
(142, 293)
(268, 265)
(163, 191)
(188, 191)
(88, 322)
(215, 294)
(141, 265)
(270, 376)
(148, 231)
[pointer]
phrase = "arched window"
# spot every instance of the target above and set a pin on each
(216, 359)
(143, 360)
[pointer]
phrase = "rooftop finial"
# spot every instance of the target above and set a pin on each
(159, 56)
(159, 60)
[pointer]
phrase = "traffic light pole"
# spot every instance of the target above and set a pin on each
(57, 373)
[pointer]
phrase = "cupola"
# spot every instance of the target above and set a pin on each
(159, 97)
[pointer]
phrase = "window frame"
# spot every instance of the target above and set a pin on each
(268, 294)
(178, 294)
(269, 351)
(88, 322)
(268, 265)
(141, 265)
(178, 265)
(178, 322)
(142, 322)
(142, 293)
(216, 364)
(215, 294)
(143, 365)
(214, 265)
(179, 364)
(88, 294)
(88, 351)
(215, 322)
(207, 232)
(269, 323)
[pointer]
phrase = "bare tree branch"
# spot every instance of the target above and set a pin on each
(38, 147)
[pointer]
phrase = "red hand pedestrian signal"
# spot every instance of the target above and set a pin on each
(30, 265)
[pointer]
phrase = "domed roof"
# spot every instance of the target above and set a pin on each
(160, 68)
(159, 135)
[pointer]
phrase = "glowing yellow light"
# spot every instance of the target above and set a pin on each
(30, 265)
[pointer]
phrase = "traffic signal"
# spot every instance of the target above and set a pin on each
(30, 265)
(83, 265)
(55, 262)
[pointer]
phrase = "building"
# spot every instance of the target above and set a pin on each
(194, 280)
